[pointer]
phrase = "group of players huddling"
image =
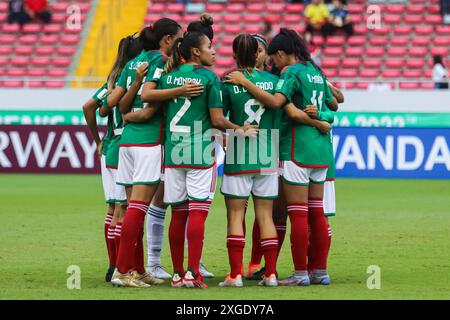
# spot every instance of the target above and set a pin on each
(158, 92)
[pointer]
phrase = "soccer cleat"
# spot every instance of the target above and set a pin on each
(232, 282)
(109, 273)
(158, 271)
(147, 278)
(258, 275)
(127, 280)
(177, 281)
(319, 279)
(191, 280)
(252, 269)
(204, 272)
(295, 280)
(270, 281)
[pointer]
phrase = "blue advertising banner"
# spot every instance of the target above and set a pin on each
(392, 152)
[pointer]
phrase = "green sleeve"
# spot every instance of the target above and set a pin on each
(226, 99)
(214, 92)
(155, 71)
(326, 114)
(100, 94)
(287, 85)
(123, 78)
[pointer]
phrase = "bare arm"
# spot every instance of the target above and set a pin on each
(115, 96)
(151, 94)
(336, 93)
(104, 111)
(302, 117)
(126, 103)
(141, 115)
(219, 121)
(271, 101)
(89, 109)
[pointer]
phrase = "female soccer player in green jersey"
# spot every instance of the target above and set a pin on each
(189, 162)
(303, 149)
(251, 164)
(140, 150)
(129, 48)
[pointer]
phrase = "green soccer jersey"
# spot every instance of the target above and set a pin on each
(188, 142)
(112, 156)
(248, 155)
(98, 97)
(147, 133)
(304, 85)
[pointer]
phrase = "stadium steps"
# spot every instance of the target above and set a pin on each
(113, 20)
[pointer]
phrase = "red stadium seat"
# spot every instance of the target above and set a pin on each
(369, 73)
(35, 84)
(11, 84)
(20, 61)
(356, 41)
(31, 28)
(399, 40)
(417, 51)
(415, 63)
(354, 51)
(375, 51)
(70, 39)
(441, 51)
(54, 84)
(433, 19)
(175, 8)
(16, 72)
(372, 63)
(360, 29)
(424, 30)
(330, 73)
(333, 51)
(415, 9)
(351, 62)
(4, 61)
(224, 62)
(62, 62)
(409, 85)
(331, 63)
(427, 86)
(36, 72)
(256, 8)
(49, 39)
(53, 28)
(6, 50)
(10, 28)
(252, 29)
(232, 29)
(59, 7)
(225, 51)
(236, 8)
(232, 18)
(441, 41)
(45, 51)
(292, 18)
(295, 8)
(402, 30)
(66, 51)
(395, 8)
(227, 40)
(336, 41)
(433, 9)
(412, 74)
(215, 7)
(421, 41)
(7, 39)
(393, 19)
(413, 19)
(396, 51)
(158, 7)
(274, 18)
(28, 39)
(356, 8)
(53, 72)
(24, 50)
(379, 41)
(443, 30)
(347, 73)
(391, 73)
(395, 63)
(252, 19)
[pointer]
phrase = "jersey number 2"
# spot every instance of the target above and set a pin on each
(174, 127)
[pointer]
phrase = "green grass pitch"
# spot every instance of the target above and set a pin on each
(50, 222)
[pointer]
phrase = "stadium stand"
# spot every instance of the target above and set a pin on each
(40, 54)
(400, 51)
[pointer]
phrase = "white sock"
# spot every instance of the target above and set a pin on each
(155, 234)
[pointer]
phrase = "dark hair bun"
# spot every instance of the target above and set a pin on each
(206, 19)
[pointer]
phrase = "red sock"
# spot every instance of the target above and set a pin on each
(270, 248)
(131, 232)
(112, 252)
(281, 234)
(235, 245)
(319, 234)
(330, 234)
(118, 232)
(310, 255)
(177, 235)
(298, 215)
(108, 220)
(198, 211)
(256, 245)
(138, 264)
(244, 226)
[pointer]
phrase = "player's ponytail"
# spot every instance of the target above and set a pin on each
(181, 51)
(204, 25)
(129, 48)
(151, 36)
(245, 49)
(290, 42)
